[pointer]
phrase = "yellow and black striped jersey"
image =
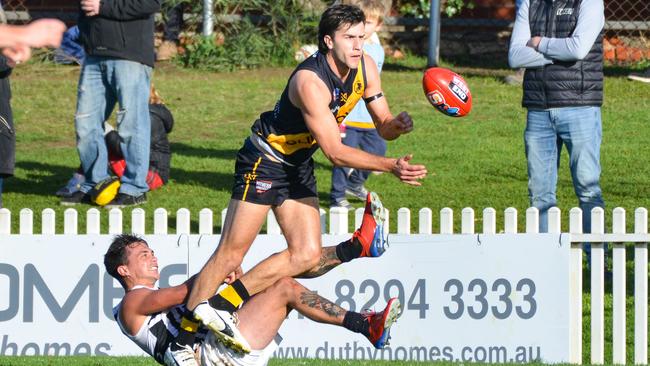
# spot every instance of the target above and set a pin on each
(284, 129)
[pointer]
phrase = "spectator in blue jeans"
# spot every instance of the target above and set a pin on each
(560, 45)
(118, 39)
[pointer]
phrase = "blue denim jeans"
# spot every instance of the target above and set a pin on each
(104, 82)
(580, 130)
(342, 178)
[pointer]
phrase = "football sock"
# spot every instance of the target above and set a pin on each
(186, 332)
(348, 250)
(356, 323)
(230, 298)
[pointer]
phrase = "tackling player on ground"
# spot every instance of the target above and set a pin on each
(150, 316)
(274, 170)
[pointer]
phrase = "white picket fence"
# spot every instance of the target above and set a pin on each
(338, 224)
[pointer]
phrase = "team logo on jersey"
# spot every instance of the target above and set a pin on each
(564, 11)
(249, 177)
(358, 87)
(262, 186)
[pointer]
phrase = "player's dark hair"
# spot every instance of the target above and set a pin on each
(116, 254)
(334, 18)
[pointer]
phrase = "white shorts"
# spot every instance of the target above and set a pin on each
(213, 353)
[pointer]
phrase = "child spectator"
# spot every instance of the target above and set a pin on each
(359, 130)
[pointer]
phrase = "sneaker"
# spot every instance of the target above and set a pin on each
(75, 199)
(183, 356)
(643, 77)
(73, 185)
(379, 323)
(371, 234)
(166, 51)
(123, 200)
(359, 192)
(223, 325)
(342, 203)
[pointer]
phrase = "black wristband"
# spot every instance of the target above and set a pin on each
(373, 98)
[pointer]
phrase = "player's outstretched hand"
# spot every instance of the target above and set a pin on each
(44, 33)
(407, 173)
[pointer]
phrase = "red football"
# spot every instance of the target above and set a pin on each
(447, 91)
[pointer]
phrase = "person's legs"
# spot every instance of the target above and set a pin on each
(542, 151)
(242, 224)
(261, 317)
(94, 103)
(581, 129)
(340, 174)
(300, 223)
(131, 81)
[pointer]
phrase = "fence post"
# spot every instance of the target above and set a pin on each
(48, 226)
(489, 221)
(26, 222)
(70, 221)
(160, 221)
(597, 289)
(138, 221)
(272, 226)
(641, 289)
(618, 288)
(93, 224)
(446, 221)
(532, 220)
(467, 221)
(5, 221)
(425, 220)
(183, 221)
(510, 226)
(224, 213)
(205, 221)
(403, 221)
(554, 220)
(358, 217)
(323, 220)
(115, 221)
(575, 289)
(338, 220)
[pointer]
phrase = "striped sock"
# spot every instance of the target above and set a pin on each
(230, 298)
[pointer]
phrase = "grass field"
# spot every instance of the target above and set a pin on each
(477, 161)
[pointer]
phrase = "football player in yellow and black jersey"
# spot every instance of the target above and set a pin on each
(274, 168)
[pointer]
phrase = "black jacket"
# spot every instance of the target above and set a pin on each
(123, 29)
(562, 83)
(7, 132)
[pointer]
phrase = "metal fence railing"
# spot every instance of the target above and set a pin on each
(14, 11)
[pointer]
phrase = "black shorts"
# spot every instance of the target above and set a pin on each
(263, 181)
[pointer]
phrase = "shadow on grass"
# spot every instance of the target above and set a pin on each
(178, 148)
(40, 179)
(213, 180)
